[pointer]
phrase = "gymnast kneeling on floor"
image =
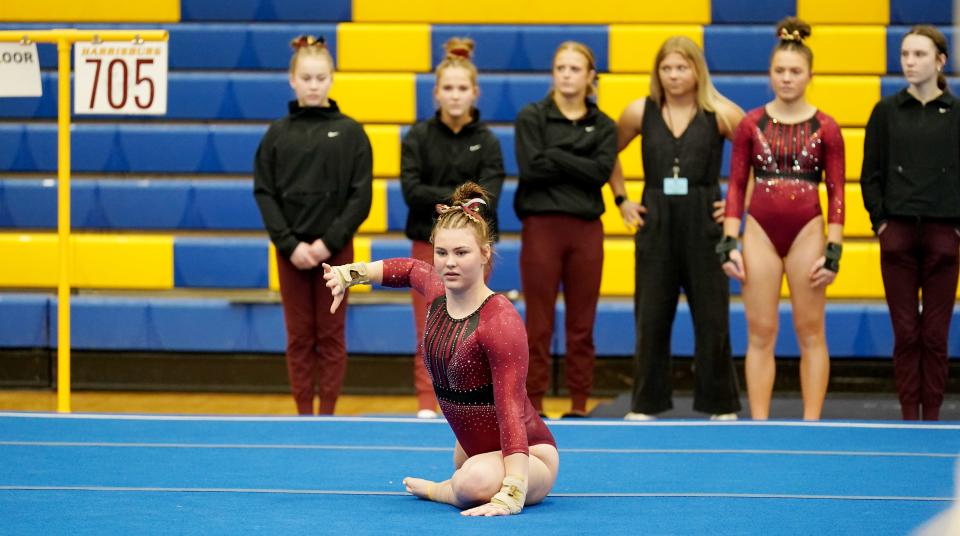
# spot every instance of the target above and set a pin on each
(475, 349)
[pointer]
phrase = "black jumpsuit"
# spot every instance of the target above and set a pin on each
(674, 250)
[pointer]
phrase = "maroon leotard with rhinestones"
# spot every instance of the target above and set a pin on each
(788, 161)
(478, 365)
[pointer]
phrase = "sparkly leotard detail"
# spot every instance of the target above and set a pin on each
(788, 161)
(478, 365)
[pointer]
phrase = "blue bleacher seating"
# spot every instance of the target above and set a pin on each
(733, 49)
(521, 47)
(750, 12)
(156, 324)
(215, 262)
(24, 321)
(132, 204)
(921, 12)
(266, 10)
(133, 148)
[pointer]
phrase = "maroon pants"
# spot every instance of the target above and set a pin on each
(919, 261)
(559, 249)
(316, 351)
(421, 378)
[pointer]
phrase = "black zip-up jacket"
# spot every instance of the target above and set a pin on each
(563, 164)
(911, 159)
(434, 161)
(313, 178)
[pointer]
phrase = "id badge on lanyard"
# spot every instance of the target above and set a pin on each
(675, 185)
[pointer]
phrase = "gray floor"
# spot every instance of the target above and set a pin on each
(858, 406)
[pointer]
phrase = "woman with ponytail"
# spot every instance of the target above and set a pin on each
(475, 350)
(438, 155)
(911, 187)
(790, 146)
(312, 181)
(565, 148)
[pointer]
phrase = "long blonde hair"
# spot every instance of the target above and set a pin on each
(708, 98)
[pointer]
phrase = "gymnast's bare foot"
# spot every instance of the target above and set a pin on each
(420, 487)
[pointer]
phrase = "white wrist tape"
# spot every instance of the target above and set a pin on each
(351, 274)
(512, 494)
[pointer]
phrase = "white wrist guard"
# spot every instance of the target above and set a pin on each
(351, 274)
(512, 494)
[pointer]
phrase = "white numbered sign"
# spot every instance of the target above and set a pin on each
(120, 77)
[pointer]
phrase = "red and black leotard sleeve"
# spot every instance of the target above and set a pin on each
(834, 167)
(503, 338)
(740, 164)
(415, 274)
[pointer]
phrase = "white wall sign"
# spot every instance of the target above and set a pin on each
(120, 77)
(19, 70)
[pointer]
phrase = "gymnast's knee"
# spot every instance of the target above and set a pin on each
(472, 486)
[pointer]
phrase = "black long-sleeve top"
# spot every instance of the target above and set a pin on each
(911, 159)
(313, 178)
(563, 163)
(434, 160)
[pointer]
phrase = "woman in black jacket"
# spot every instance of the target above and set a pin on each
(911, 187)
(437, 156)
(312, 181)
(566, 148)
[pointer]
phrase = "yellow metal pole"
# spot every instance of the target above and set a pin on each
(63, 224)
(64, 38)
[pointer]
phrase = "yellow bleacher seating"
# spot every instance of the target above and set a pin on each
(532, 11)
(29, 260)
(617, 276)
(376, 98)
(99, 261)
(376, 222)
(633, 48)
(383, 47)
(844, 11)
(849, 49)
(614, 93)
(853, 149)
(859, 276)
(273, 278)
(385, 141)
(72, 11)
(857, 219)
(849, 99)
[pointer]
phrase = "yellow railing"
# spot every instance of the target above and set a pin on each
(64, 39)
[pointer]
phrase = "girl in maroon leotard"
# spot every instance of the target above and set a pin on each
(475, 350)
(789, 145)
